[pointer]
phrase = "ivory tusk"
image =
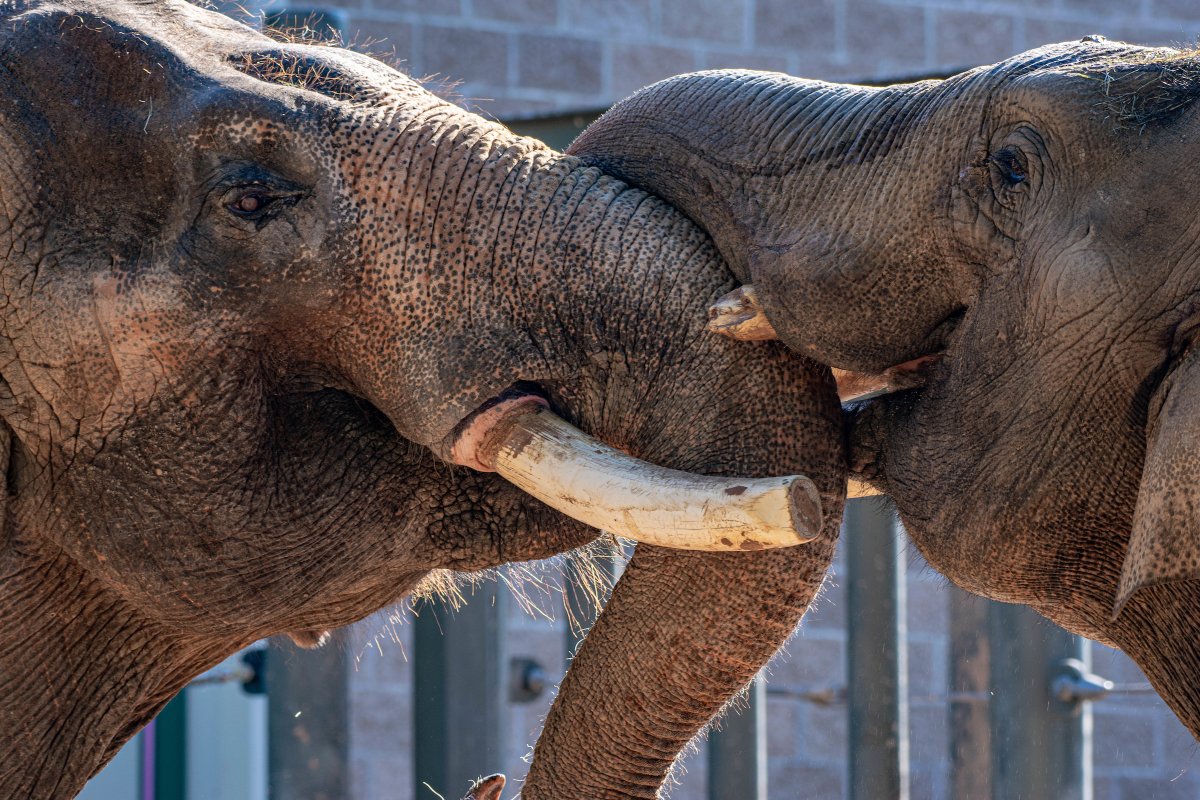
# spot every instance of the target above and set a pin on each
(856, 488)
(866, 385)
(591, 482)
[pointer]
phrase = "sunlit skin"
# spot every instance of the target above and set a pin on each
(1033, 222)
(252, 291)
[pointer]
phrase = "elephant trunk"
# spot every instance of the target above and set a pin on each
(520, 273)
(534, 264)
(828, 198)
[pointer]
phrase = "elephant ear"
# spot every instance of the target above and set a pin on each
(489, 788)
(1165, 543)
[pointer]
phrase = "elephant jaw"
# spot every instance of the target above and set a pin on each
(527, 444)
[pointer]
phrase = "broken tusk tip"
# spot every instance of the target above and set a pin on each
(807, 511)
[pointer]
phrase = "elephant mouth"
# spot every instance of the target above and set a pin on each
(518, 436)
(865, 398)
(899, 392)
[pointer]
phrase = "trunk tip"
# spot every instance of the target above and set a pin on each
(739, 315)
(489, 788)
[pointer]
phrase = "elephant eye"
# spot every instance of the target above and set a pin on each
(251, 202)
(259, 202)
(1009, 167)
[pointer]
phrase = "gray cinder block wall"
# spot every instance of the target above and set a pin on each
(1141, 750)
(522, 58)
(519, 59)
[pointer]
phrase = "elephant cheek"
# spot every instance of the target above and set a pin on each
(1165, 542)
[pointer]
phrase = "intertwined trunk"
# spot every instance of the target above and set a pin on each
(556, 275)
(830, 199)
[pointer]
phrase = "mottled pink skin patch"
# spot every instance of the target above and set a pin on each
(471, 445)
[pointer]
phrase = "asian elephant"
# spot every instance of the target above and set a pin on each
(271, 315)
(1035, 223)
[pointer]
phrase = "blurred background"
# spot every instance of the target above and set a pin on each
(897, 684)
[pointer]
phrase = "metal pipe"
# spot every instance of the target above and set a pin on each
(877, 660)
(1041, 744)
(308, 720)
(458, 692)
(970, 732)
(737, 750)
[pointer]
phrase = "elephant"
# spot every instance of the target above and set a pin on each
(286, 337)
(1022, 236)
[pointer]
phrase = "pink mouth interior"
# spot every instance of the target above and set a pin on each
(476, 442)
(862, 385)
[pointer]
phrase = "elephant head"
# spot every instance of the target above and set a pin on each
(271, 315)
(1034, 223)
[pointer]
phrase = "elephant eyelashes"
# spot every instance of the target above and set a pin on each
(1009, 167)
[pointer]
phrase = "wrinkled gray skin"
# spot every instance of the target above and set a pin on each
(249, 292)
(1036, 220)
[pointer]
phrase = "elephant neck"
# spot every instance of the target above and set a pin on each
(79, 672)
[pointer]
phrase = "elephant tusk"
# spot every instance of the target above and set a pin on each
(595, 484)
(866, 385)
(857, 488)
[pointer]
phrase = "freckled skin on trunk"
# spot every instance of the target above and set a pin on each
(1035, 220)
(240, 332)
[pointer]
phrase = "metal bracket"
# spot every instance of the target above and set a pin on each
(527, 680)
(1073, 683)
(251, 673)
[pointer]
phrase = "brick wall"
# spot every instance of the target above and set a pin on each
(520, 58)
(524, 58)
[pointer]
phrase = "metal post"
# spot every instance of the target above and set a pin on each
(1041, 745)
(307, 721)
(458, 693)
(170, 751)
(737, 751)
(970, 731)
(877, 660)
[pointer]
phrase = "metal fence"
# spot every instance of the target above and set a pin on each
(1019, 707)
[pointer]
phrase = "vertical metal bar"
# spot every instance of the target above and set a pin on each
(970, 731)
(307, 721)
(877, 660)
(458, 693)
(170, 750)
(1041, 745)
(737, 751)
(146, 778)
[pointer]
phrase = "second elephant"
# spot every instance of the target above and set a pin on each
(1034, 222)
